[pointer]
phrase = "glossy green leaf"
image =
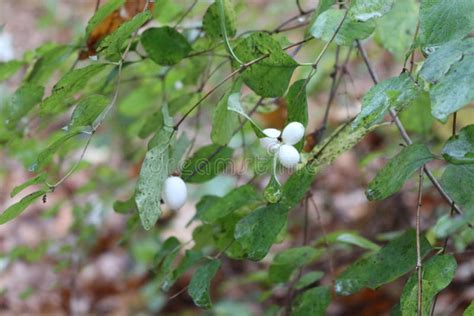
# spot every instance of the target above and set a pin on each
(396, 172)
(396, 30)
(111, 46)
(206, 163)
(327, 23)
(257, 231)
(45, 156)
(458, 181)
(68, 85)
(9, 68)
(297, 106)
(437, 273)
(224, 121)
(201, 283)
(397, 93)
(312, 302)
(232, 201)
(88, 109)
(381, 267)
(442, 21)
(165, 45)
(153, 173)
(211, 23)
(287, 261)
(16, 209)
(459, 149)
(36, 180)
(23, 100)
(102, 13)
(364, 10)
(270, 76)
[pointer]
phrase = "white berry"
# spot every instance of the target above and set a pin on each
(174, 192)
(288, 156)
(293, 133)
(270, 142)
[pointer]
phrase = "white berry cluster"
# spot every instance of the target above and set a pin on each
(283, 146)
(174, 192)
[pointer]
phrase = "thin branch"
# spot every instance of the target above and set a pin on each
(419, 266)
(405, 136)
(185, 14)
(300, 8)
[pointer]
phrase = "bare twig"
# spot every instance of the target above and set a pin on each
(419, 267)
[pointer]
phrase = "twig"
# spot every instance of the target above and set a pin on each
(451, 214)
(300, 8)
(419, 267)
(185, 14)
(405, 136)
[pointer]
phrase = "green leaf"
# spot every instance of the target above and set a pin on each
(351, 238)
(459, 149)
(364, 10)
(165, 45)
(234, 105)
(270, 76)
(48, 62)
(381, 267)
(36, 180)
(417, 117)
(437, 273)
(201, 283)
(224, 121)
(442, 21)
(297, 106)
(9, 68)
(232, 201)
(469, 310)
(458, 181)
(102, 13)
(191, 257)
(67, 86)
(165, 257)
(17, 208)
(287, 261)
(125, 207)
(211, 23)
(444, 57)
(178, 151)
(395, 31)
(46, 154)
(258, 231)
(309, 278)
(206, 163)
(111, 46)
(327, 23)
(312, 302)
(23, 100)
(397, 93)
(87, 110)
(393, 175)
(153, 173)
(455, 90)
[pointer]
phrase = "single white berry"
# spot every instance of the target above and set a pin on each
(270, 142)
(288, 156)
(174, 192)
(293, 133)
